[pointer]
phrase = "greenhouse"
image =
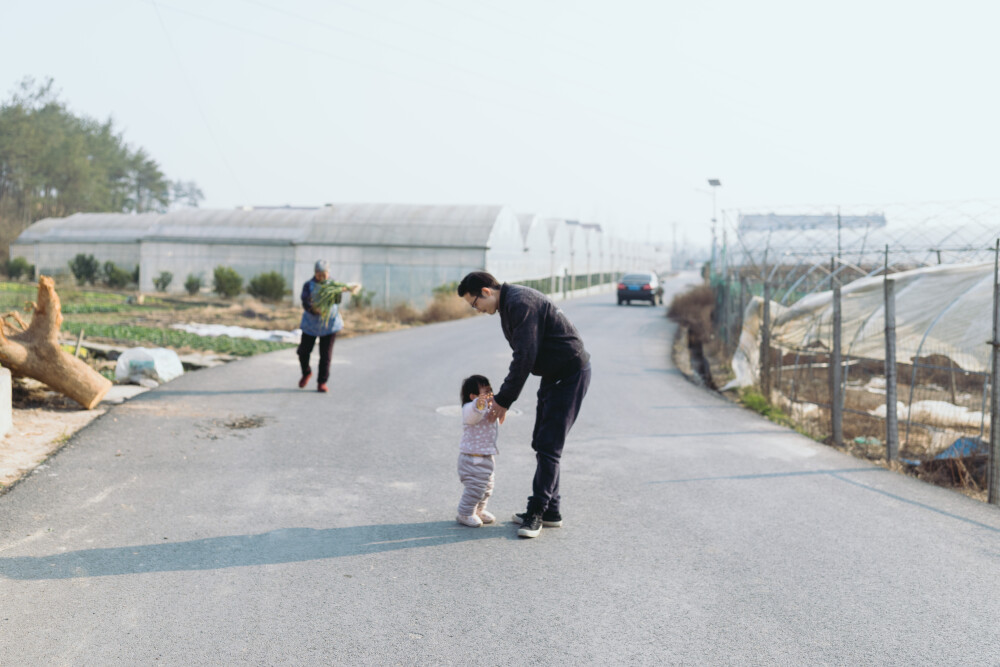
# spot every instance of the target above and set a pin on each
(51, 243)
(399, 253)
(822, 358)
(941, 328)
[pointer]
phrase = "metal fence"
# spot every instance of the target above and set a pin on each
(932, 406)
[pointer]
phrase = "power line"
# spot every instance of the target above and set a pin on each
(197, 102)
(441, 37)
(539, 93)
(485, 21)
(529, 111)
(335, 56)
(580, 108)
(396, 48)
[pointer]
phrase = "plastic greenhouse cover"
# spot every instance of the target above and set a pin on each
(945, 310)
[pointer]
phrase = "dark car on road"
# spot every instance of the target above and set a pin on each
(640, 287)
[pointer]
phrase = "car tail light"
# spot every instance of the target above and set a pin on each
(646, 286)
(621, 285)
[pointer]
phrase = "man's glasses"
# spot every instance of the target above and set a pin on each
(475, 300)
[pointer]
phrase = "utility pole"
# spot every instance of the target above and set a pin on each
(993, 463)
(715, 183)
(673, 247)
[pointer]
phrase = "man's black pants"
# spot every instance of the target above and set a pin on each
(306, 344)
(558, 405)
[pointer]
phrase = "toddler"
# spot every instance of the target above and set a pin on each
(476, 451)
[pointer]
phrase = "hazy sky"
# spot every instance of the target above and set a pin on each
(613, 112)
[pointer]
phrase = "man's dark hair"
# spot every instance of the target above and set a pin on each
(474, 283)
(472, 385)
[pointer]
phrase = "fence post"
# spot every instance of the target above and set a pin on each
(836, 391)
(836, 406)
(891, 419)
(726, 300)
(743, 299)
(765, 345)
(993, 472)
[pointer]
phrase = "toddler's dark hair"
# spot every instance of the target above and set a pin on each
(472, 385)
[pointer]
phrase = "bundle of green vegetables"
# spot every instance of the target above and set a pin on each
(329, 294)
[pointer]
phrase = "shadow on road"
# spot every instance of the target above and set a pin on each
(288, 545)
(836, 474)
(167, 392)
(763, 475)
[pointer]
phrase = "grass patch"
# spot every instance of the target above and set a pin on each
(15, 295)
(174, 338)
(758, 403)
(87, 308)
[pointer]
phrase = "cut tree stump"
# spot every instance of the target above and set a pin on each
(33, 351)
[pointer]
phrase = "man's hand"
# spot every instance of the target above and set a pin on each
(497, 413)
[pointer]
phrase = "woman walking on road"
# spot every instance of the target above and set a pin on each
(314, 326)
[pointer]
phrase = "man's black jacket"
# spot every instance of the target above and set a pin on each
(544, 342)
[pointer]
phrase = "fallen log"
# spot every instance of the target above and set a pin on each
(33, 351)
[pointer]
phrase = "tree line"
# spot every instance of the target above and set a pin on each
(54, 163)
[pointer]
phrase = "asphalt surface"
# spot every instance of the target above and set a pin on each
(229, 518)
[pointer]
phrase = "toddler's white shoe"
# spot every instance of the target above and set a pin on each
(487, 517)
(472, 521)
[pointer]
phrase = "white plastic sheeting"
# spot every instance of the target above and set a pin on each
(944, 309)
(212, 330)
(148, 366)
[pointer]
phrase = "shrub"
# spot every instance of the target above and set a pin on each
(162, 281)
(404, 313)
(226, 282)
(269, 286)
(446, 306)
(694, 310)
(363, 299)
(85, 268)
(116, 277)
(447, 289)
(193, 284)
(19, 267)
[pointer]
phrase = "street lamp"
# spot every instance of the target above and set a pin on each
(714, 182)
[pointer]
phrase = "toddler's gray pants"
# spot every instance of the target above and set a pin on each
(476, 473)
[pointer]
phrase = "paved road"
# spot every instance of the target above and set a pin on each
(229, 518)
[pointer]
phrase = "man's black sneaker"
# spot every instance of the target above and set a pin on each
(531, 526)
(550, 518)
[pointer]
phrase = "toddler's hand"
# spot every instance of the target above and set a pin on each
(496, 413)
